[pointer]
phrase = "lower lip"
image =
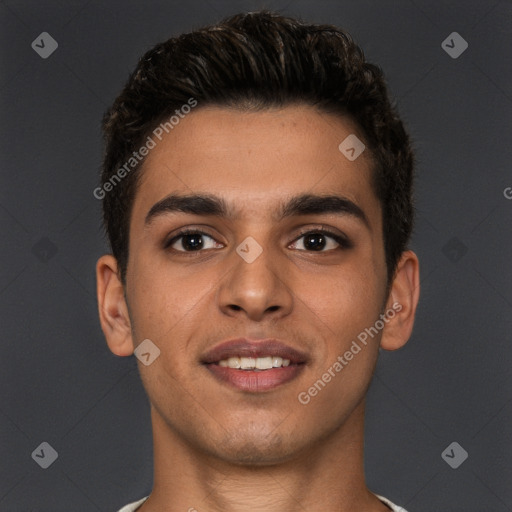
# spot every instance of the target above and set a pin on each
(247, 380)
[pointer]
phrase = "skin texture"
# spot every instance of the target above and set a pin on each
(217, 448)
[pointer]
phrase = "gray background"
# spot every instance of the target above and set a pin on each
(60, 384)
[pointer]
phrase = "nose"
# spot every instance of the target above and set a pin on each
(255, 288)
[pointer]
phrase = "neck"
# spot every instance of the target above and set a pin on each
(326, 477)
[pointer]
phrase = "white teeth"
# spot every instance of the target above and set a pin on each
(233, 362)
(247, 363)
(251, 363)
(277, 361)
(264, 363)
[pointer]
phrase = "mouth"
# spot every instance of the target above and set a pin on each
(254, 366)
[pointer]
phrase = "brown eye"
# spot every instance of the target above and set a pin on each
(321, 241)
(190, 241)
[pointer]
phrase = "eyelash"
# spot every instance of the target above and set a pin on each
(340, 239)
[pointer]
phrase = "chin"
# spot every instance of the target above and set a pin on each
(246, 449)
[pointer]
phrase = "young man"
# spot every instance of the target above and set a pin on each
(257, 197)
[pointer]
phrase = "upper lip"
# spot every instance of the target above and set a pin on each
(245, 347)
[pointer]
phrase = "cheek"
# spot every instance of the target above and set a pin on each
(343, 306)
(159, 300)
(346, 300)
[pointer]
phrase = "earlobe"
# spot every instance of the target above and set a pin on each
(403, 300)
(113, 311)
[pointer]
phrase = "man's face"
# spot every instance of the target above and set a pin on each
(310, 292)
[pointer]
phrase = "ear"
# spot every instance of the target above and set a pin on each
(113, 310)
(403, 299)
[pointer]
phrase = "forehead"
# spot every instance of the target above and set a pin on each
(255, 159)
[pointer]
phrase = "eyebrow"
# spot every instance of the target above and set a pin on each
(304, 204)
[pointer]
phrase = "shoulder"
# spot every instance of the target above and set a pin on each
(394, 508)
(131, 507)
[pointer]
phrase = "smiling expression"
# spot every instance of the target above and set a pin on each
(224, 186)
